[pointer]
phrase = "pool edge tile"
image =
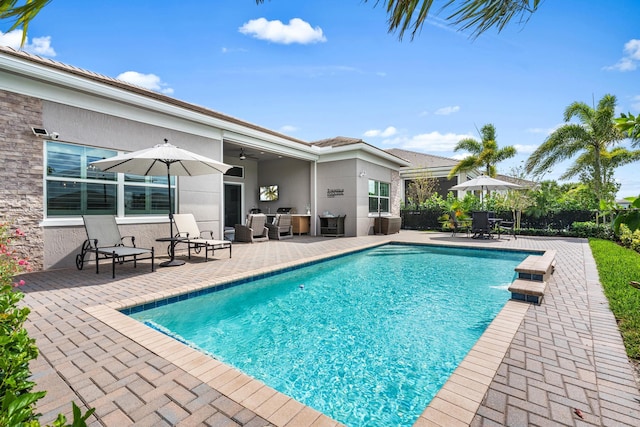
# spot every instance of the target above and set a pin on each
(494, 342)
(437, 414)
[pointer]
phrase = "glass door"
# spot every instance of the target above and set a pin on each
(232, 204)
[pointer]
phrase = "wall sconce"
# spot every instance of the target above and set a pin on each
(363, 173)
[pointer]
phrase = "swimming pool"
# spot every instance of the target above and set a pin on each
(341, 338)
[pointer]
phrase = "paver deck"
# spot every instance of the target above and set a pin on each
(559, 363)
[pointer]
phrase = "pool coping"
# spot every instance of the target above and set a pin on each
(455, 404)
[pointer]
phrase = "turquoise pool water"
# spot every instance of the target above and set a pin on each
(367, 338)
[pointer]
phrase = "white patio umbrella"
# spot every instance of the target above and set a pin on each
(160, 160)
(484, 182)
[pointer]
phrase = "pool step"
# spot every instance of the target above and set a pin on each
(537, 267)
(533, 275)
(528, 290)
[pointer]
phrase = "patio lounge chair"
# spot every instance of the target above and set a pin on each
(197, 239)
(104, 241)
(282, 228)
(254, 230)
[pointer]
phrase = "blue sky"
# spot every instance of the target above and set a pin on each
(317, 69)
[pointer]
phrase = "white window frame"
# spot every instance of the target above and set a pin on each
(120, 183)
(378, 197)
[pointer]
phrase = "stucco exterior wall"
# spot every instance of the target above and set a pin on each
(292, 178)
(377, 173)
(337, 192)
(354, 199)
(21, 166)
(200, 195)
(64, 243)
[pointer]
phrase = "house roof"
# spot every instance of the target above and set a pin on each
(338, 141)
(344, 142)
(119, 84)
(341, 143)
(422, 159)
(429, 161)
(522, 182)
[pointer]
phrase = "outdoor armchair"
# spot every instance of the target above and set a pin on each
(282, 228)
(480, 225)
(194, 238)
(104, 241)
(507, 227)
(254, 230)
(459, 224)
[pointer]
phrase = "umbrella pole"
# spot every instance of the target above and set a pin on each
(172, 243)
(170, 205)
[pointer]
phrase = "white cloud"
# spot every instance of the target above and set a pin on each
(545, 131)
(632, 49)
(231, 50)
(635, 102)
(428, 142)
(390, 131)
(297, 31)
(38, 46)
(445, 111)
(525, 149)
(538, 130)
(147, 81)
(288, 128)
(629, 61)
(460, 156)
(41, 46)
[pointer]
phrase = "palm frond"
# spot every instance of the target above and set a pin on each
(479, 15)
(21, 15)
(469, 144)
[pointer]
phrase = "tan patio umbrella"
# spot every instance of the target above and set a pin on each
(484, 182)
(160, 160)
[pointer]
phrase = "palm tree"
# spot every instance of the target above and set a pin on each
(589, 143)
(22, 15)
(630, 124)
(479, 15)
(484, 154)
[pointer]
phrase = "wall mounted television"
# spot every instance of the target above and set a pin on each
(269, 193)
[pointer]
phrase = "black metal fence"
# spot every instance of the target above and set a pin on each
(427, 219)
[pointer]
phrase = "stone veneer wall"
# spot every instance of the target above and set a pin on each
(21, 165)
(396, 193)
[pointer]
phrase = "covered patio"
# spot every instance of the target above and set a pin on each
(559, 363)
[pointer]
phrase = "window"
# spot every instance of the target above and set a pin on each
(147, 195)
(236, 171)
(74, 187)
(378, 196)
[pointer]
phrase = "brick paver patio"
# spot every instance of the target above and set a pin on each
(560, 363)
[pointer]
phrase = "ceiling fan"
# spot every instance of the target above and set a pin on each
(245, 155)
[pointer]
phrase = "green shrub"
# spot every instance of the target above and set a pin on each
(591, 229)
(17, 349)
(629, 239)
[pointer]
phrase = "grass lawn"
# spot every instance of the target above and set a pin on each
(617, 266)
